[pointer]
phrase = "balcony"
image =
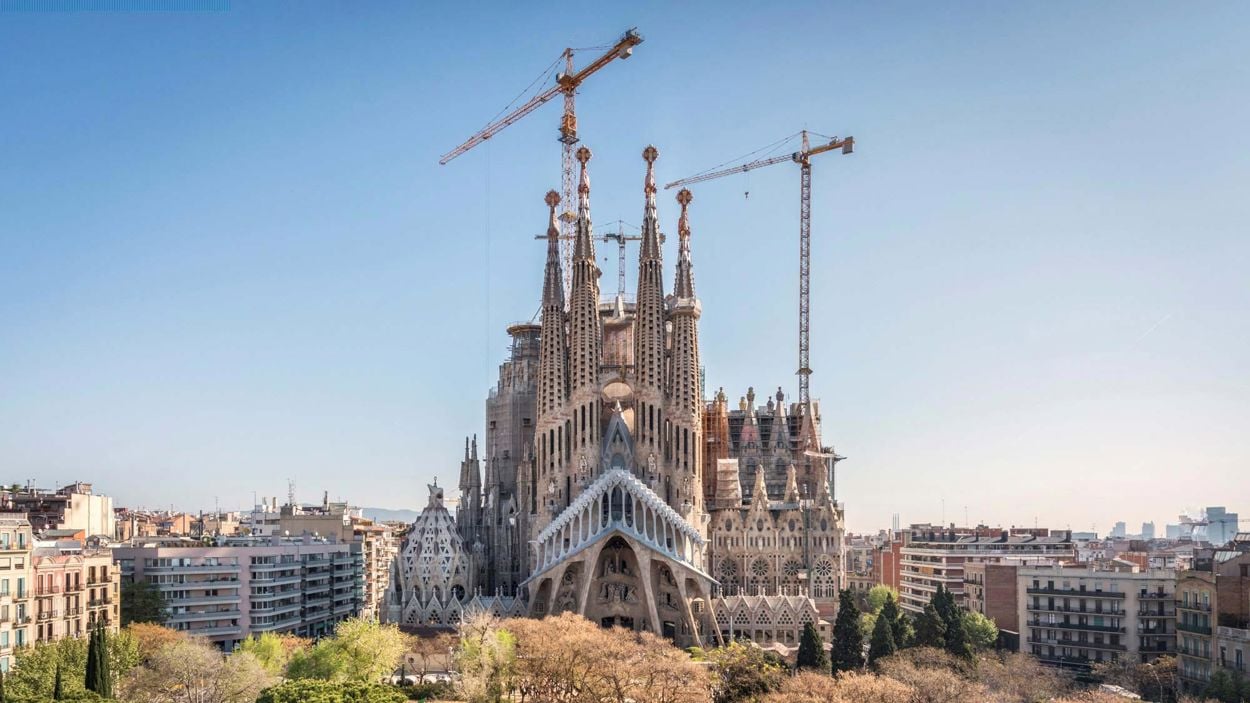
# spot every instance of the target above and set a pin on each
(1194, 606)
(1039, 608)
(73, 612)
(277, 566)
(1045, 591)
(74, 587)
(1195, 628)
(1156, 596)
(41, 591)
(1078, 626)
(276, 580)
(204, 616)
(214, 630)
(277, 609)
(277, 625)
(197, 569)
(1076, 644)
(48, 615)
(202, 600)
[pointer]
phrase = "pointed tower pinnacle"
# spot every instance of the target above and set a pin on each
(584, 244)
(792, 485)
(552, 379)
(684, 285)
(585, 334)
(649, 318)
(759, 494)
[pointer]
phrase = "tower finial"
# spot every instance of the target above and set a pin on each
(684, 199)
(552, 200)
(650, 154)
(583, 184)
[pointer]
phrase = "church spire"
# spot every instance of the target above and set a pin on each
(683, 287)
(649, 332)
(585, 335)
(551, 360)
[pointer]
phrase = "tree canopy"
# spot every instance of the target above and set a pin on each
(848, 642)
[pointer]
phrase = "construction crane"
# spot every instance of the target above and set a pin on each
(566, 82)
(620, 238)
(803, 158)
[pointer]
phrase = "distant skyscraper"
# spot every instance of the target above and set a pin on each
(1119, 531)
(1147, 530)
(1172, 531)
(1221, 525)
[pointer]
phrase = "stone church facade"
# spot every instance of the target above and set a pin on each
(609, 486)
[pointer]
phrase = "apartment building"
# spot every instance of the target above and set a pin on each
(74, 589)
(933, 556)
(50, 590)
(1213, 614)
(72, 507)
(1076, 615)
(247, 585)
(990, 589)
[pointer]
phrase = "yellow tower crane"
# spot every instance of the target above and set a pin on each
(802, 157)
(566, 83)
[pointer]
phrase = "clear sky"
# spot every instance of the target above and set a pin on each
(228, 255)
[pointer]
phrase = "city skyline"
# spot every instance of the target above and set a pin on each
(227, 264)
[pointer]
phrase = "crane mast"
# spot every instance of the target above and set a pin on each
(803, 158)
(567, 83)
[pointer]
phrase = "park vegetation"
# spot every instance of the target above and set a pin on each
(879, 655)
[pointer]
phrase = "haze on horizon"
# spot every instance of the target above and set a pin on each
(228, 256)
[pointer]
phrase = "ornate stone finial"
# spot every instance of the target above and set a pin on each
(683, 223)
(552, 199)
(583, 156)
(650, 154)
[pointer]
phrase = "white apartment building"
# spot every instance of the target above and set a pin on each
(248, 585)
(933, 556)
(1076, 615)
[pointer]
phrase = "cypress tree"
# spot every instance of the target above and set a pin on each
(2, 698)
(930, 630)
(882, 644)
(899, 627)
(811, 650)
(848, 641)
(56, 684)
(91, 680)
(103, 665)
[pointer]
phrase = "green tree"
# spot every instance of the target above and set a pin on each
(141, 602)
(877, 597)
(57, 693)
(194, 671)
(268, 650)
(848, 641)
(98, 677)
(486, 658)
(882, 643)
(930, 630)
(900, 626)
(981, 631)
(743, 672)
(361, 650)
(811, 650)
(314, 691)
(956, 637)
(1227, 687)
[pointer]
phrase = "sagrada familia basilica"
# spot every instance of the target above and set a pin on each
(609, 485)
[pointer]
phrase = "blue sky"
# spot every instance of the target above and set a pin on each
(228, 255)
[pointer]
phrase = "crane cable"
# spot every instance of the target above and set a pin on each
(769, 149)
